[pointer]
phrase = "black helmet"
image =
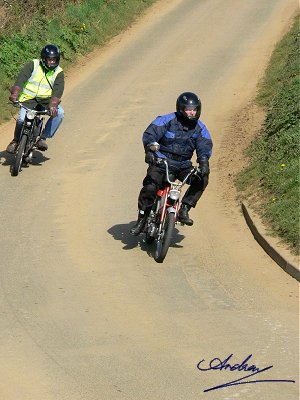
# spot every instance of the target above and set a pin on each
(50, 51)
(185, 100)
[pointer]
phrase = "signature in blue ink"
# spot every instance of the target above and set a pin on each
(218, 364)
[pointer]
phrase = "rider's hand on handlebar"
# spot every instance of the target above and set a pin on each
(160, 161)
(53, 106)
(53, 111)
(150, 158)
(14, 93)
(203, 168)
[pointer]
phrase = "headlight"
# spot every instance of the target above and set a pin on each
(174, 194)
(30, 115)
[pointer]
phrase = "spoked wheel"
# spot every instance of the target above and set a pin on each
(19, 156)
(163, 243)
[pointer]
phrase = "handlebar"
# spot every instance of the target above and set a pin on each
(192, 171)
(36, 112)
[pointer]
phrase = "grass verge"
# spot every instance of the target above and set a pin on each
(274, 168)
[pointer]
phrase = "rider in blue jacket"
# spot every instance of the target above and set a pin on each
(179, 134)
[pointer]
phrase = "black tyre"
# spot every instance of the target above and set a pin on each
(163, 244)
(19, 156)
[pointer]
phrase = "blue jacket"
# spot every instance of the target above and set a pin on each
(176, 139)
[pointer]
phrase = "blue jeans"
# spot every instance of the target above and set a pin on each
(50, 128)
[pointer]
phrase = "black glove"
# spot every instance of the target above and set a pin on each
(203, 167)
(150, 158)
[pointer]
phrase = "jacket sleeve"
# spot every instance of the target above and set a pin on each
(59, 85)
(204, 143)
(152, 134)
(157, 129)
(24, 74)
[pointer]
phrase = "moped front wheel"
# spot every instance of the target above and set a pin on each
(164, 241)
(19, 156)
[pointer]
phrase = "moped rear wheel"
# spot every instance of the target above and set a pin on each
(19, 156)
(163, 243)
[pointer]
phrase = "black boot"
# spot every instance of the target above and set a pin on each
(183, 215)
(12, 147)
(41, 144)
(140, 224)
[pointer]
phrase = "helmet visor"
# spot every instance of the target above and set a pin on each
(190, 108)
(191, 112)
(51, 62)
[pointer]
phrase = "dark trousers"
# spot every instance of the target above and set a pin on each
(155, 180)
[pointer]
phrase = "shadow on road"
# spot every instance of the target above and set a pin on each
(121, 232)
(7, 159)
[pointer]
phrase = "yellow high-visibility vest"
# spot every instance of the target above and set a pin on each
(39, 84)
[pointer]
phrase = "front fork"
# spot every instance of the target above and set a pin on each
(166, 209)
(156, 219)
(33, 135)
(29, 148)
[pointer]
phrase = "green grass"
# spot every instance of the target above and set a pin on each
(274, 167)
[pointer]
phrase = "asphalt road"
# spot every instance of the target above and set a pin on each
(86, 313)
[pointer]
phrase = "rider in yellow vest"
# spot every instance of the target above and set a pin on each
(40, 82)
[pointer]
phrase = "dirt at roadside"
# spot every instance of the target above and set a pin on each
(244, 127)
